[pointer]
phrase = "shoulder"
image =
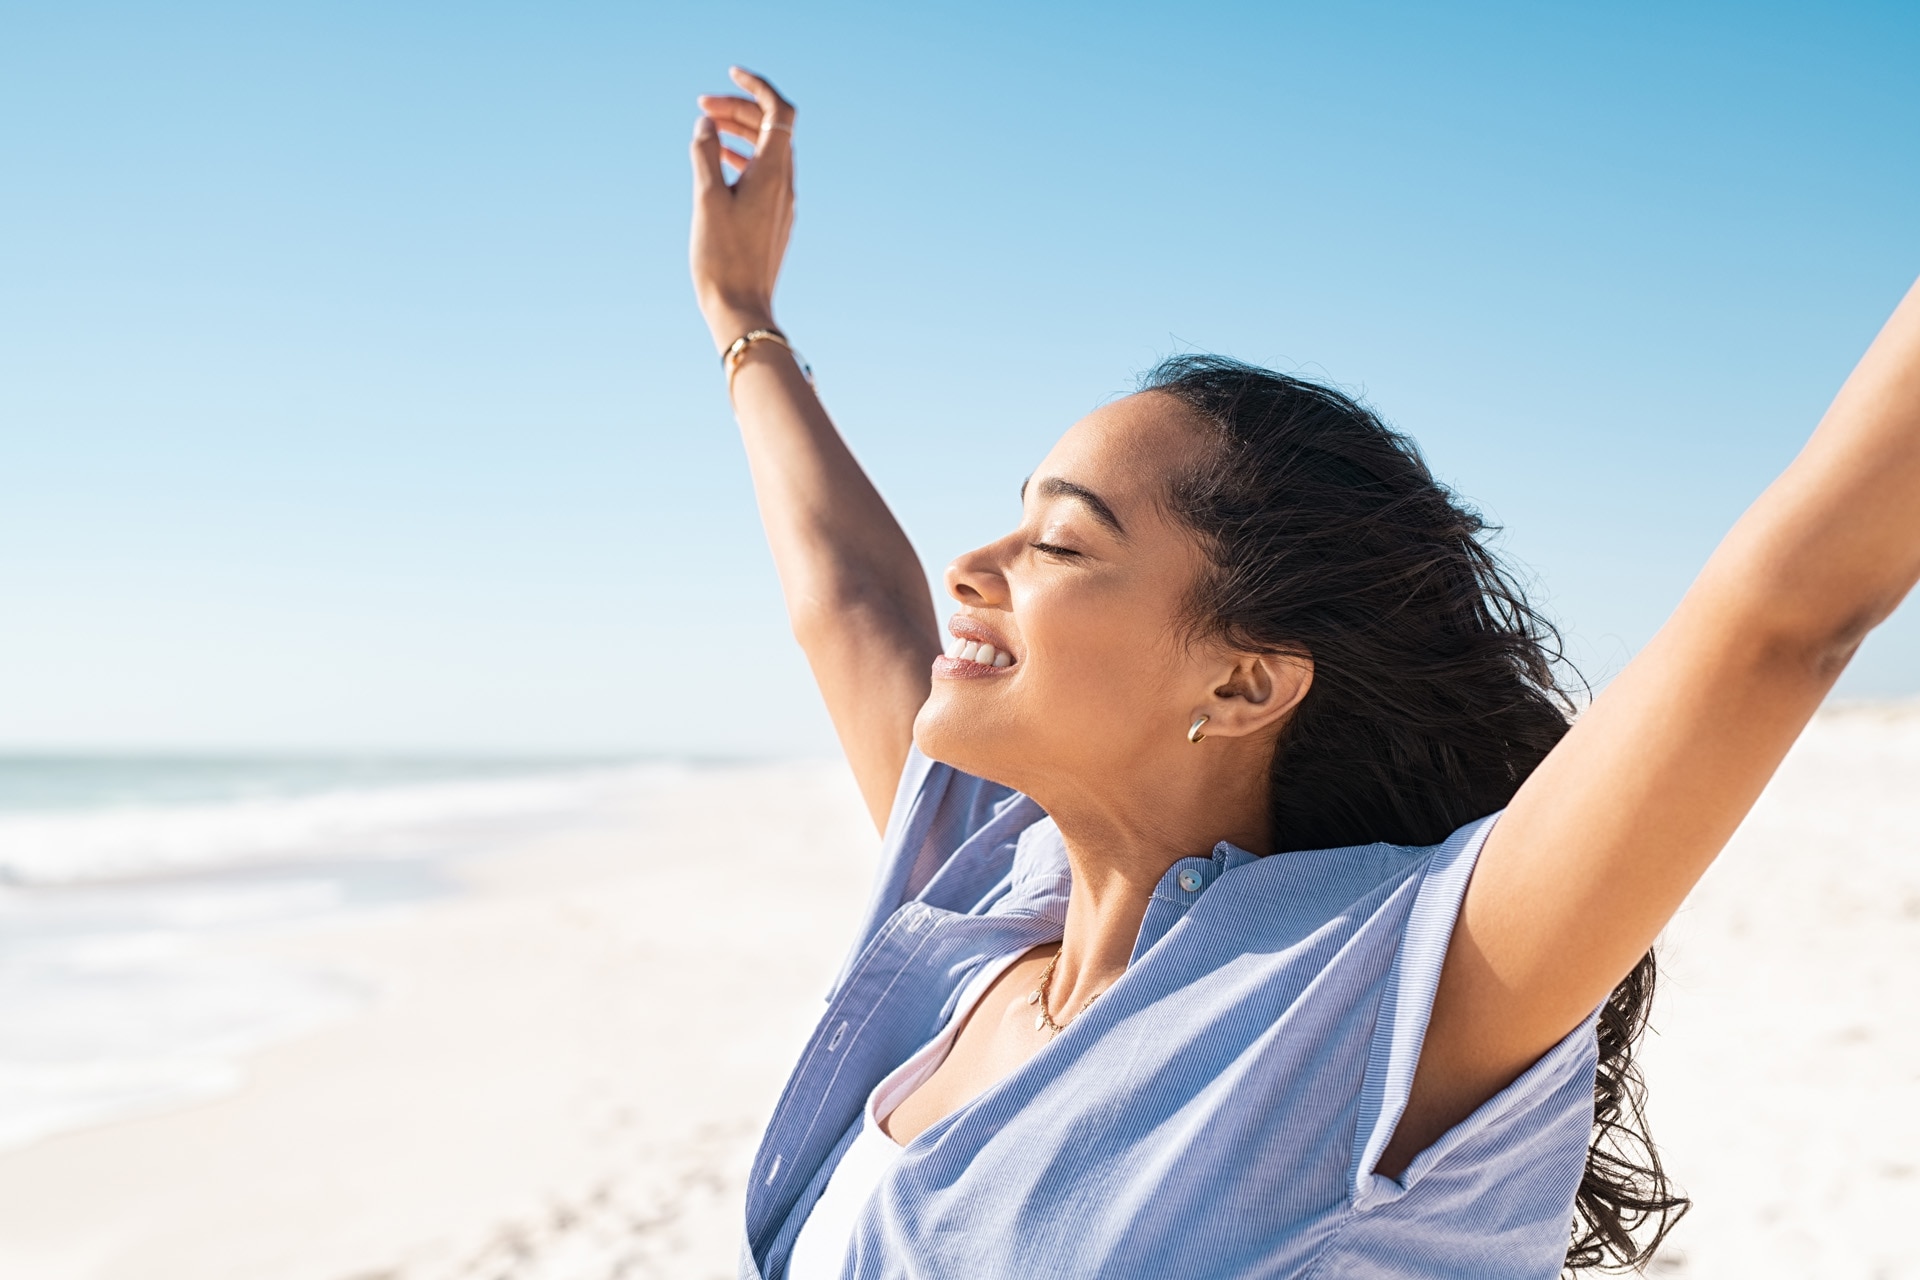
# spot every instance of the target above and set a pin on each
(951, 839)
(1404, 890)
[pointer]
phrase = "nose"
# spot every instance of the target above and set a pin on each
(976, 578)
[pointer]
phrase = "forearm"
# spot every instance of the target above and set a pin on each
(836, 545)
(1834, 544)
(856, 593)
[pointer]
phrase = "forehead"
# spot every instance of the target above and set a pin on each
(1127, 450)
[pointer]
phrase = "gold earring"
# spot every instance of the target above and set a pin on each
(1194, 735)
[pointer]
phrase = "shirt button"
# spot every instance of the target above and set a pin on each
(1190, 880)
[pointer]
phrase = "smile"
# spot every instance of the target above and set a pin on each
(973, 652)
(961, 649)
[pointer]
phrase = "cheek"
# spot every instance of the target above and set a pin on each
(1097, 680)
(1106, 657)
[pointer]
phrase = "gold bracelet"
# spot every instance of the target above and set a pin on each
(737, 349)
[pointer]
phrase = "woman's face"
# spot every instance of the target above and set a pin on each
(1093, 676)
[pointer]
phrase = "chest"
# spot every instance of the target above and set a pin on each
(997, 1037)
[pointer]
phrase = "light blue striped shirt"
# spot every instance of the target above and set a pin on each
(1218, 1112)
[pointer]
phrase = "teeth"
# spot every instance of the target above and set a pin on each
(986, 655)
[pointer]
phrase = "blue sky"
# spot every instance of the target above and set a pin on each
(352, 394)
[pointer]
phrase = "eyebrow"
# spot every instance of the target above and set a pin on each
(1054, 487)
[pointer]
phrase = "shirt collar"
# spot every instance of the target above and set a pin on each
(1040, 880)
(1181, 887)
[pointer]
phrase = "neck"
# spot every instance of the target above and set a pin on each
(1121, 841)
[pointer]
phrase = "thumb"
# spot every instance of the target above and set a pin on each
(706, 157)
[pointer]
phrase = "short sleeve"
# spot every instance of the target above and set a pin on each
(1407, 1005)
(936, 809)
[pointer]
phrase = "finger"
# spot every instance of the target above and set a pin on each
(742, 112)
(739, 162)
(706, 157)
(747, 133)
(776, 118)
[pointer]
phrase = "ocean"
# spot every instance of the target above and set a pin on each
(130, 885)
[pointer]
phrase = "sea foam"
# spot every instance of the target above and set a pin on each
(127, 980)
(52, 848)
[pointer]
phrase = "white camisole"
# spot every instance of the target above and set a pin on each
(820, 1250)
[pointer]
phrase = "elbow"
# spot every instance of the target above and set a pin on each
(1828, 658)
(1845, 633)
(815, 617)
(812, 625)
(1822, 646)
(821, 619)
(1787, 608)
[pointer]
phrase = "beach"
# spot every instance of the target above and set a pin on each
(536, 1042)
(553, 1068)
(1784, 1070)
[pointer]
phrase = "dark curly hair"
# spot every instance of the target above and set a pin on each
(1435, 688)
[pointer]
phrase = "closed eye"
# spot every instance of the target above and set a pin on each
(1049, 549)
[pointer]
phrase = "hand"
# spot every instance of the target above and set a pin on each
(740, 231)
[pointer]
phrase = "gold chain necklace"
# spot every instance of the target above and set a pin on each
(1042, 996)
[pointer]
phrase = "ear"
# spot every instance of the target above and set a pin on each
(1255, 695)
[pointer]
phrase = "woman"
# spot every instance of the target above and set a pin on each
(1248, 906)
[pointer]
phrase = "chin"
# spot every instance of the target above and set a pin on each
(954, 734)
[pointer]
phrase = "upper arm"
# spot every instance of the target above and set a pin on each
(856, 591)
(872, 659)
(1603, 842)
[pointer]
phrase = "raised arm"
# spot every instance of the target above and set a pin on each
(1606, 838)
(857, 596)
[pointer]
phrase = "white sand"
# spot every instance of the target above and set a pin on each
(561, 1072)
(1785, 1077)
